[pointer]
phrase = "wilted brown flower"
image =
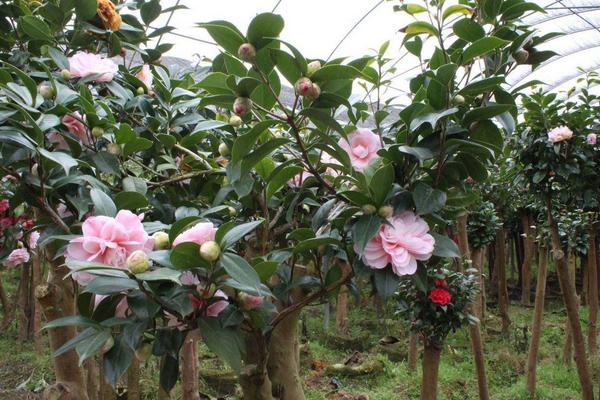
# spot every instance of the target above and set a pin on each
(109, 15)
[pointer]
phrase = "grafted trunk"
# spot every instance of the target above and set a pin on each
(189, 367)
(56, 298)
(284, 359)
(474, 329)
(4, 299)
(92, 379)
(479, 299)
(538, 312)
(570, 301)
(341, 311)
(254, 378)
(133, 380)
(413, 344)
(502, 285)
(568, 345)
(528, 243)
(24, 303)
(592, 268)
(431, 366)
(36, 312)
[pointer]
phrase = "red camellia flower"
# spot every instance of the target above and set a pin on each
(440, 296)
(440, 283)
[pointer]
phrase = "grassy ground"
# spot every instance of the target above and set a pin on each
(21, 368)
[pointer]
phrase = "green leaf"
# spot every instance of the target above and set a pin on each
(73, 320)
(136, 145)
(85, 9)
(325, 118)
(60, 60)
(386, 282)
(428, 200)
(263, 28)
(103, 204)
(35, 28)
(160, 274)
(134, 184)
(225, 34)
(107, 163)
(238, 232)
(457, 9)
(215, 83)
(314, 243)
(364, 229)
(227, 343)
(266, 269)
(116, 361)
(281, 178)
(243, 144)
(474, 167)
(481, 47)
(483, 113)
(240, 271)
(420, 27)
(468, 30)
(109, 285)
(482, 85)
(444, 246)
(186, 255)
(181, 225)
(130, 200)
(335, 72)
(381, 183)
(92, 345)
(63, 159)
(150, 11)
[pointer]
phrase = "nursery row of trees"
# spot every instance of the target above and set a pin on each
(145, 210)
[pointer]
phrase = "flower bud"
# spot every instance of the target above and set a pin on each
(123, 52)
(314, 92)
(138, 262)
(369, 209)
(303, 86)
(458, 99)
(235, 121)
(386, 211)
(65, 74)
(249, 302)
(113, 149)
(210, 251)
(140, 91)
(242, 105)
(232, 211)
(224, 149)
(161, 240)
(313, 67)
(469, 180)
(97, 132)
(247, 52)
(521, 56)
(46, 91)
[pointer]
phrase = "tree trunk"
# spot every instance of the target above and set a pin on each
(4, 299)
(24, 303)
(540, 292)
(162, 393)
(478, 265)
(528, 243)
(474, 329)
(133, 381)
(56, 298)
(254, 378)
(92, 378)
(431, 366)
(570, 301)
(36, 312)
(284, 359)
(592, 269)
(568, 345)
(502, 285)
(189, 367)
(413, 344)
(341, 312)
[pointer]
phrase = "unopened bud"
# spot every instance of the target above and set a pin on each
(235, 121)
(113, 149)
(123, 52)
(249, 302)
(242, 105)
(314, 92)
(140, 91)
(97, 132)
(521, 56)
(303, 86)
(210, 251)
(386, 211)
(138, 262)
(65, 74)
(161, 240)
(232, 211)
(369, 209)
(313, 67)
(224, 149)
(46, 91)
(458, 99)
(247, 52)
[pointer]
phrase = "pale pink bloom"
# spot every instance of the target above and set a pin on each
(250, 302)
(559, 134)
(108, 240)
(58, 140)
(75, 124)
(17, 257)
(120, 309)
(145, 75)
(199, 233)
(362, 146)
(63, 211)
(327, 159)
(299, 179)
(32, 240)
(592, 138)
(84, 64)
(401, 243)
(4, 206)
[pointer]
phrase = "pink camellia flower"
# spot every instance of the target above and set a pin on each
(362, 146)
(75, 124)
(84, 64)
(58, 140)
(6, 221)
(592, 138)
(17, 257)
(326, 158)
(63, 211)
(32, 239)
(120, 309)
(199, 233)
(4, 206)
(298, 179)
(109, 241)
(401, 243)
(559, 134)
(250, 302)
(145, 75)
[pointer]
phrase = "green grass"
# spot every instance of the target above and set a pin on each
(505, 358)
